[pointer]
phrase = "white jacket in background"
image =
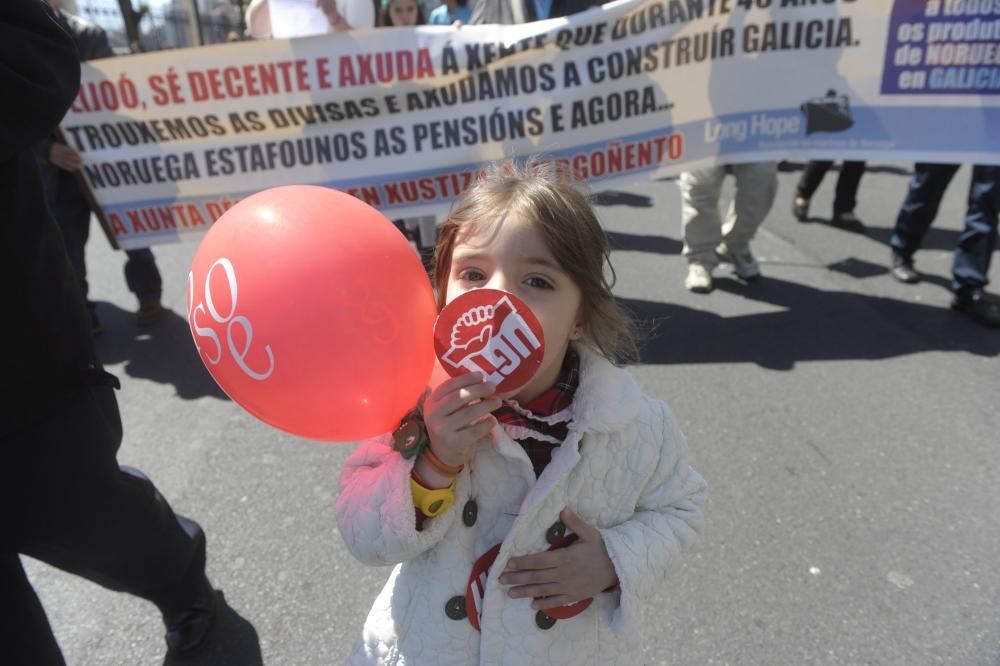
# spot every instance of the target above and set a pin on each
(623, 468)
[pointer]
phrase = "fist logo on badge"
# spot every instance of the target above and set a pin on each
(493, 332)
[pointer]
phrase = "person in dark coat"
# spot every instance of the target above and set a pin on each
(64, 499)
(71, 209)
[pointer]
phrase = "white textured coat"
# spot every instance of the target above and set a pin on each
(623, 468)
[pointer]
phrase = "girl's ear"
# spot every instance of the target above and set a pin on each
(576, 332)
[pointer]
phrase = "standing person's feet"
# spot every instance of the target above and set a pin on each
(800, 208)
(848, 221)
(699, 278)
(744, 264)
(979, 307)
(902, 269)
(150, 309)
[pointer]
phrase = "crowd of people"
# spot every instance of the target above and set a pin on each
(708, 241)
(67, 501)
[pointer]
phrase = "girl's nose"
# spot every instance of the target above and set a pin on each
(498, 281)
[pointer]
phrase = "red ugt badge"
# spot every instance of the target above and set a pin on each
(493, 332)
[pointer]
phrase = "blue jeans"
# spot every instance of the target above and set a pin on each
(975, 245)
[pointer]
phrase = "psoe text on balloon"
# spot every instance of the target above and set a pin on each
(207, 308)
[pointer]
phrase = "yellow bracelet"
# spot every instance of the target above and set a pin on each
(432, 502)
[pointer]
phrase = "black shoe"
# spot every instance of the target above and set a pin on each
(800, 208)
(978, 306)
(150, 309)
(902, 269)
(189, 626)
(188, 630)
(848, 221)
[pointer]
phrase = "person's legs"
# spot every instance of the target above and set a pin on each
(76, 509)
(918, 211)
(975, 247)
(812, 176)
(25, 633)
(846, 198)
(143, 279)
(701, 225)
(920, 207)
(426, 235)
(846, 195)
(756, 186)
(977, 241)
(701, 222)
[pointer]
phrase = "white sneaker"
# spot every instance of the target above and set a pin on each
(744, 265)
(699, 279)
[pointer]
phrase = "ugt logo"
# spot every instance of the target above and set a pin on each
(493, 332)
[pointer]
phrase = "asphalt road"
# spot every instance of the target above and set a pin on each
(847, 426)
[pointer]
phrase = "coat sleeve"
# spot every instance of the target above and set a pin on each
(667, 522)
(375, 511)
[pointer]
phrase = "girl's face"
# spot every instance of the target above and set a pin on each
(403, 12)
(515, 258)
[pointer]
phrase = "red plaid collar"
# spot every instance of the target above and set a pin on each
(552, 401)
(560, 396)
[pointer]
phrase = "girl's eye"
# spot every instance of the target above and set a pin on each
(538, 283)
(471, 275)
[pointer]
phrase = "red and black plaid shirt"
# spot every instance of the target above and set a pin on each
(536, 436)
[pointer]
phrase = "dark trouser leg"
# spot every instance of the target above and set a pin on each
(920, 206)
(25, 632)
(141, 274)
(77, 510)
(812, 176)
(847, 187)
(975, 245)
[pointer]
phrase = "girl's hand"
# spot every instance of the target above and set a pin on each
(566, 575)
(457, 416)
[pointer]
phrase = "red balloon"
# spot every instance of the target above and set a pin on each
(312, 312)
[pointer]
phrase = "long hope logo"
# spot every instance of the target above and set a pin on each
(207, 308)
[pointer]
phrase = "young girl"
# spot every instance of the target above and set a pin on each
(596, 464)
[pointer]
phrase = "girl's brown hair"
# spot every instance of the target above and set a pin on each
(545, 194)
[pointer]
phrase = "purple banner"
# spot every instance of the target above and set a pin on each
(943, 47)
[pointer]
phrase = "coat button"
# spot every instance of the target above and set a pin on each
(455, 608)
(556, 532)
(544, 621)
(469, 513)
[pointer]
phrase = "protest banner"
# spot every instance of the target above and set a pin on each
(404, 118)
